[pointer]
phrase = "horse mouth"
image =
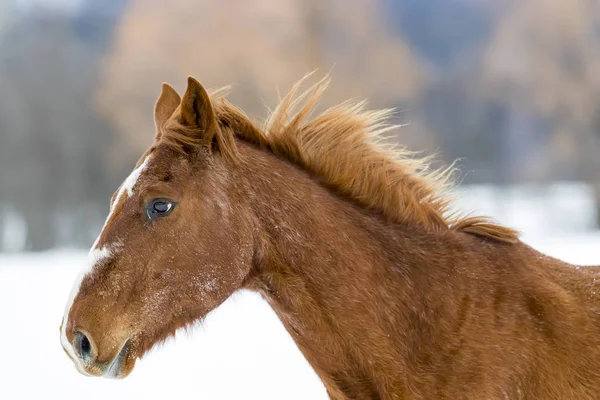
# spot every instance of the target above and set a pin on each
(122, 365)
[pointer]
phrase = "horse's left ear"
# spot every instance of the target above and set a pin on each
(197, 110)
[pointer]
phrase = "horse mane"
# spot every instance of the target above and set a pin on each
(344, 148)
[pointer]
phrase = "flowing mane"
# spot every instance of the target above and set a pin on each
(345, 149)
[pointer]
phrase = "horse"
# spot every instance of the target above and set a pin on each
(388, 291)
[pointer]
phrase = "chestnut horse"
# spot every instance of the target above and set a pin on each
(386, 291)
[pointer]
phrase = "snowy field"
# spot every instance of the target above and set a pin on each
(240, 352)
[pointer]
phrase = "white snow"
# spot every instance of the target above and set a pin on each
(553, 208)
(240, 352)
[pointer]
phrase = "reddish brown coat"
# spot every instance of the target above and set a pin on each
(386, 293)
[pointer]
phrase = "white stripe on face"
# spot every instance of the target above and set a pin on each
(127, 186)
(95, 256)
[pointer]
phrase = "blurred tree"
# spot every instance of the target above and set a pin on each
(258, 46)
(53, 148)
(543, 62)
(544, 59)
(449, 37)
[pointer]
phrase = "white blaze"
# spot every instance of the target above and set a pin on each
(96, 256)
(127, 186)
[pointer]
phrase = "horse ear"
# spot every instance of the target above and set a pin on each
(165, 106)
(197, 110)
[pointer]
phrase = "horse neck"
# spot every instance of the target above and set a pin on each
(340, 279)
(379, 308)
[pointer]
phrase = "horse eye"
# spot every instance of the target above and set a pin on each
(159, 208)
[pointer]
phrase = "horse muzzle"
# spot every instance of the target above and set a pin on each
(109, 361)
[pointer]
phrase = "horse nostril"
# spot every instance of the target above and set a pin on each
(83, 347)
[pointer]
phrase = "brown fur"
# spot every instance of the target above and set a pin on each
(386, 292)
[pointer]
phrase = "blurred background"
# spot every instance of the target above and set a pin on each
(511, 87)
